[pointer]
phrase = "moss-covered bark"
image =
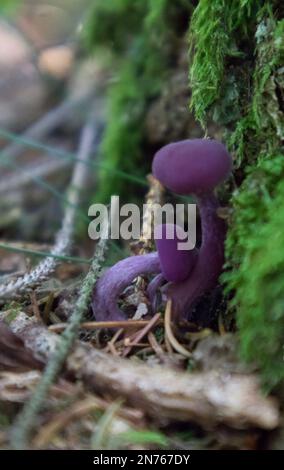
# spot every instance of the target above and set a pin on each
(248, 91)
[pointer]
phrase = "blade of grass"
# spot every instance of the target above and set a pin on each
(44, 254)
(100, 439)
(54, 152)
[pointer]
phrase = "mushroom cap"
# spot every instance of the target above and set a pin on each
(192, 166)
(176, 264)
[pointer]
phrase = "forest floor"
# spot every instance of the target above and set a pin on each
(66, 380)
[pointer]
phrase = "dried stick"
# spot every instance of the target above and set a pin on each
(141, 333)
(207, 398)
(95, 325)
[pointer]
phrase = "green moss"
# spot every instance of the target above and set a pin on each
(261, 129)
(251, 205)
(255, 247)
(111, 23)
(257, 229)
(217, 31)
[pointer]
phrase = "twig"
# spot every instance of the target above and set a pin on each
(157, 348)
(113, 349)
(95, 325)
(35, 306)
(142, 333)
(111, 344)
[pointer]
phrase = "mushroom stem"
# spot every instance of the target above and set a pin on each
(153, 288)
(207, 269)
(176, 262)
(213, 230)
(113, 282)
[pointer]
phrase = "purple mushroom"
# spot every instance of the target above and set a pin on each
(169, 263)
(115, 280)
(196, 167)
(176, 264)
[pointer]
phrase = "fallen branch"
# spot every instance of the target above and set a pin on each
(164, 394)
